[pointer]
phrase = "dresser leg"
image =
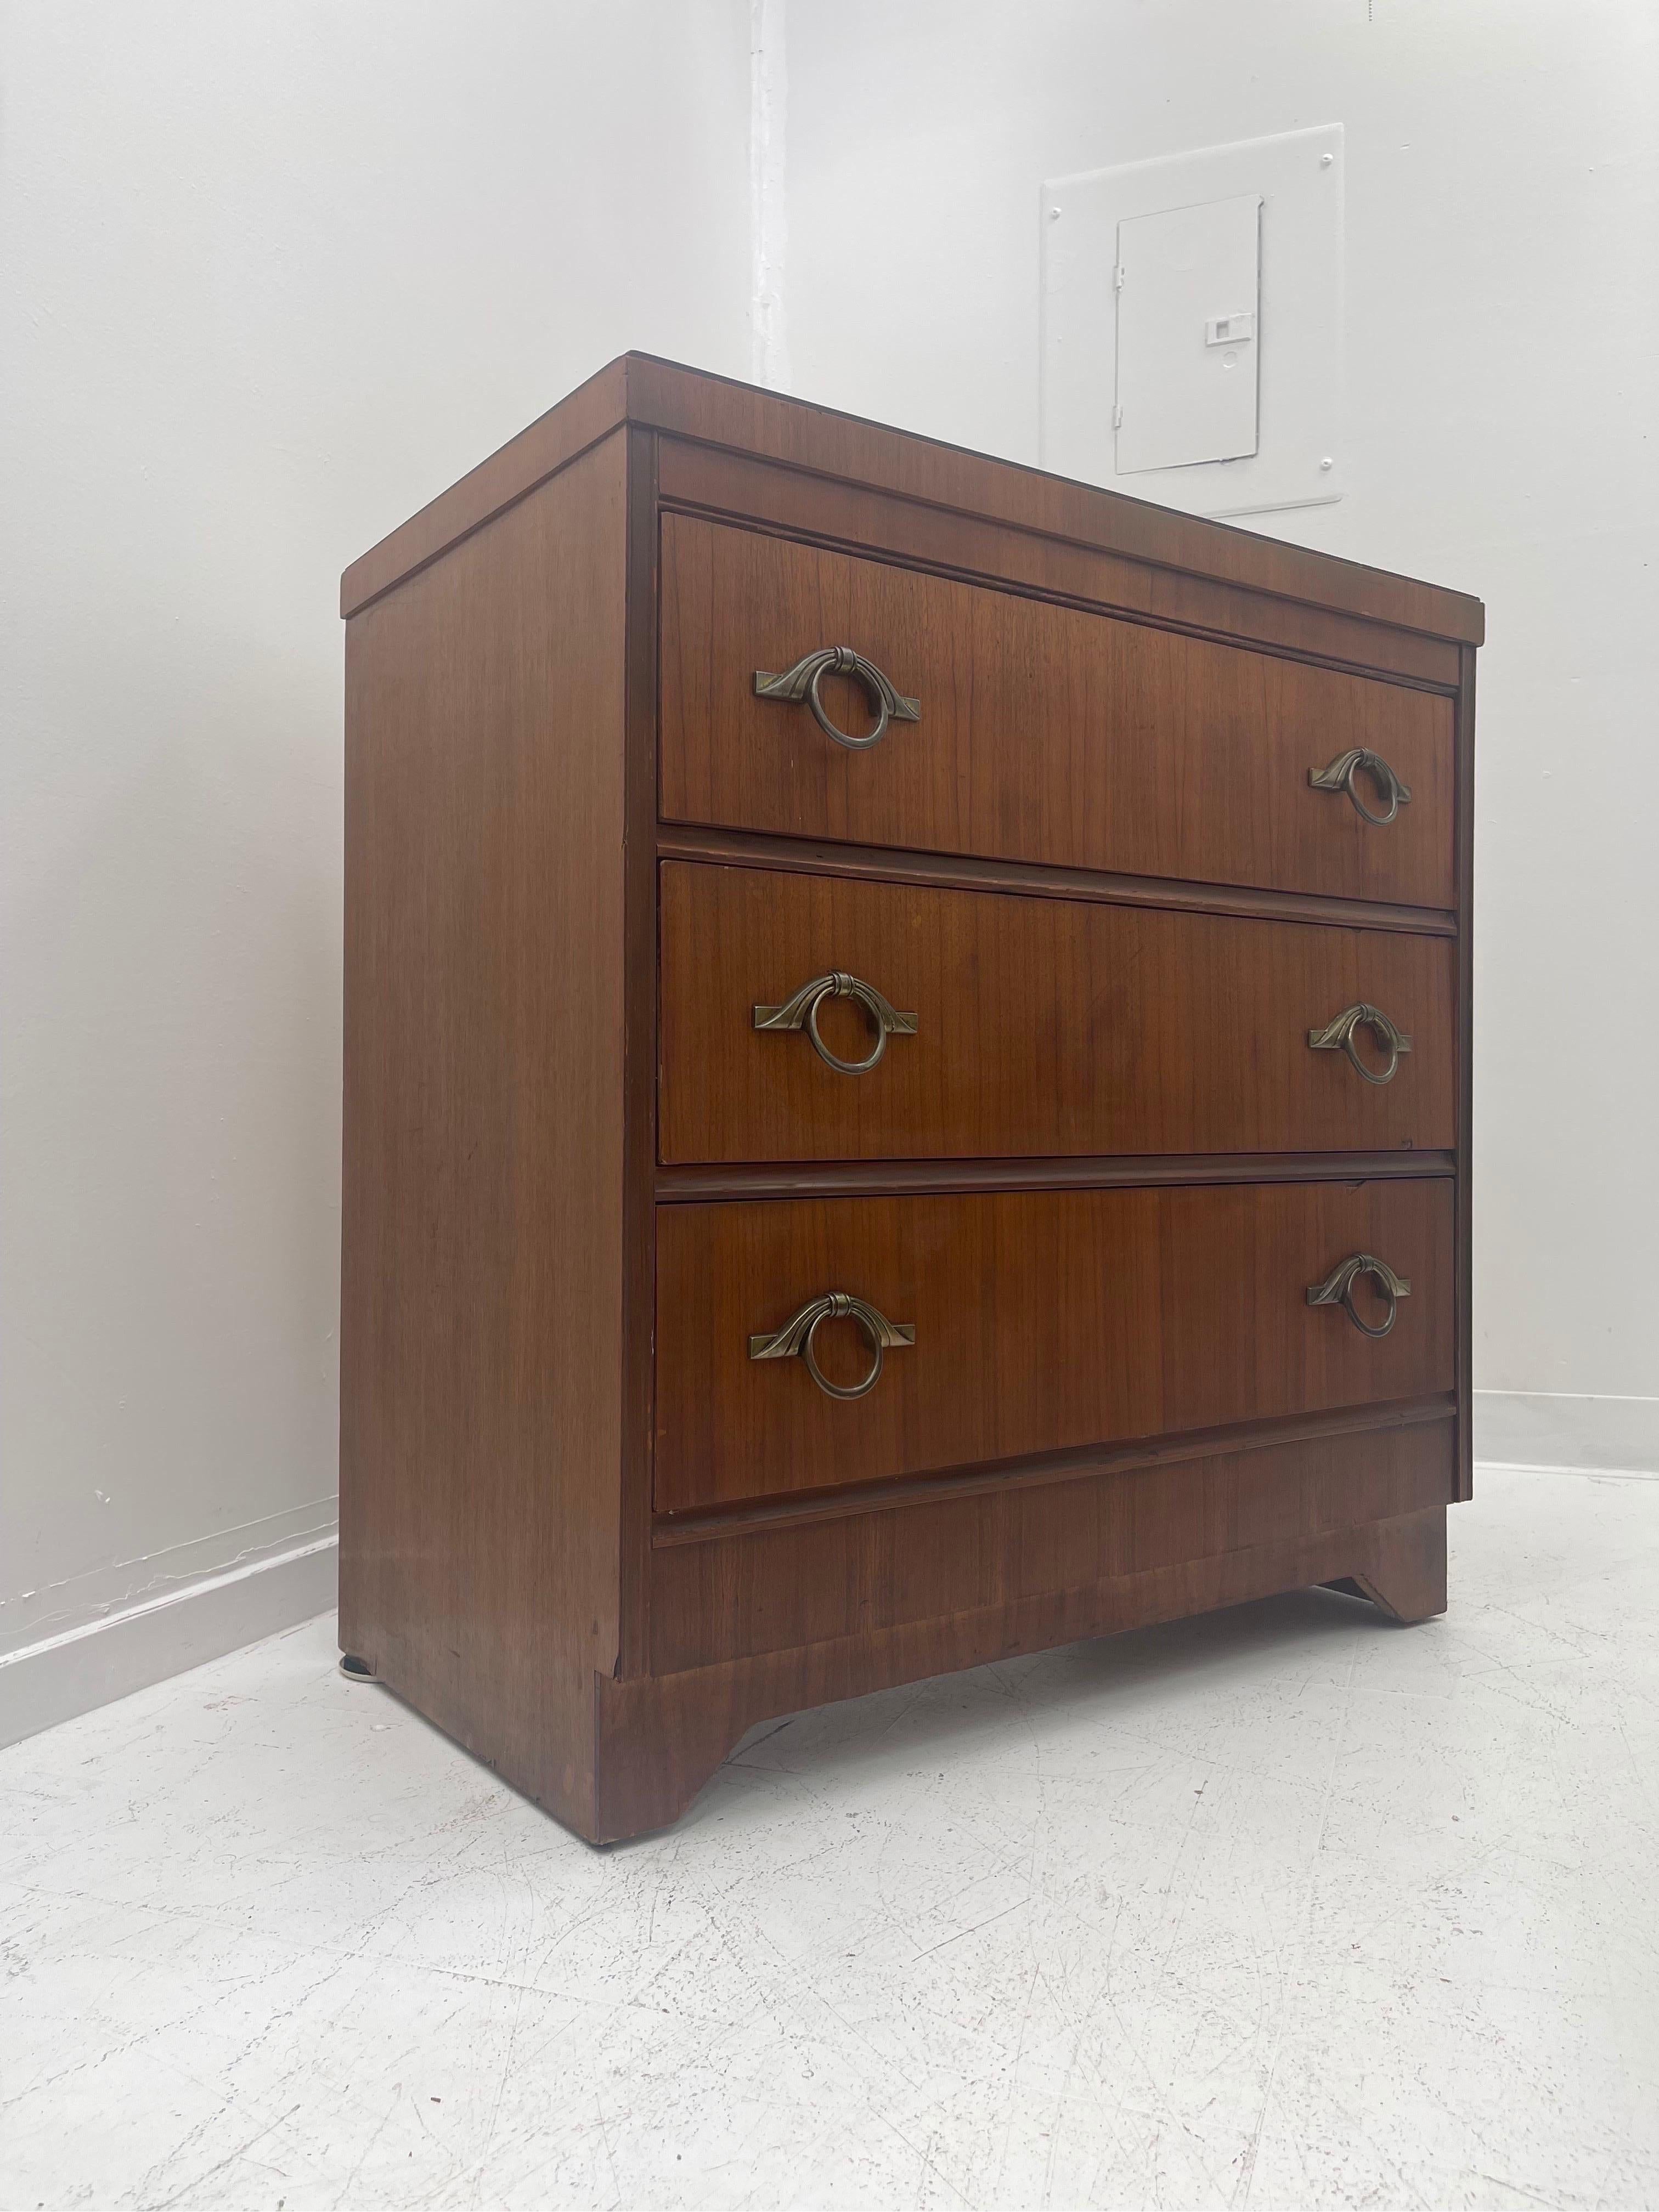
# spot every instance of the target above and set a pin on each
(1403, 1570)
(659, 1743)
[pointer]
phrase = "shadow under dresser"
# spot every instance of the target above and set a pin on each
(907, 1079)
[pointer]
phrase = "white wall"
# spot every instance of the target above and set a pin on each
(1503, 338)
(274, 275)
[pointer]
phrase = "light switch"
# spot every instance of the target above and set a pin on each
(1187, 281)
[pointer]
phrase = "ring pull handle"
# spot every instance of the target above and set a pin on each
(796, 1338)
(1340, 776)
(802, 1013)
(801, 682)
(1339, 1037)
(1337, 1290)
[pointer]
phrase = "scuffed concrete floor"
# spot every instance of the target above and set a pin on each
(1286, 1907)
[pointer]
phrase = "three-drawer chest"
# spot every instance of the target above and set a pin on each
(906, 1079)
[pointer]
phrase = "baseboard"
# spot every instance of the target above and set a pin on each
(1551, 1428)
(120, 1583)
(93, 1665)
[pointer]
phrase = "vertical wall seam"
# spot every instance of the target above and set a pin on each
(768, 214)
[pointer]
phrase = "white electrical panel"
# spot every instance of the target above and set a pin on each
(1186, 374)
(1192, 325)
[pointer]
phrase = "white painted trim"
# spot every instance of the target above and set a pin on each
(1567, 1429)
(35, 1616)
(769, 228)
(98, 1661)
(1589, 1473)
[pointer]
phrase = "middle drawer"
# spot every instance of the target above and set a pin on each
(1043, 1027)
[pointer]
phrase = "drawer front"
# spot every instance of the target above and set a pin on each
(1043, 1027)
(1044, 735)
(1042, 1321)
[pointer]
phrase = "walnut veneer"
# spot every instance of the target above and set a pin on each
(1101, 892)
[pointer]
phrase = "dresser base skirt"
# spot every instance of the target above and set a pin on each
(617, 1757)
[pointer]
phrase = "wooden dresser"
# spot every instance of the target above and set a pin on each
(907, 1079)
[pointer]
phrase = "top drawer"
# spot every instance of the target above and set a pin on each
(1045, 734)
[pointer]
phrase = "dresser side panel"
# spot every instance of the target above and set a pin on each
(482, 1276)
(1465, 1262)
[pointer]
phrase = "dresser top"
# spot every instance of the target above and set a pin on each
(641, 390)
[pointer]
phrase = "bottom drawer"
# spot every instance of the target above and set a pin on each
(1026, 1322)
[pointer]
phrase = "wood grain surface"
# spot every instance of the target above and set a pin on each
(1047, 734)
(891, 864)
(662, 1735)
(1465, 1324)
(581, 1530)
(741, 1594)
(824, 446)
(1073, 1171)
(1043, 1027)
(822, 442)
(1043, 1320)
(481, 1257)
(716, 481)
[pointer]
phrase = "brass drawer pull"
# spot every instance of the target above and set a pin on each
(1340, 776)
(1338, 1036)
(798, 1332)
(802, 1013)
(1337, 1290)
(801, 682)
